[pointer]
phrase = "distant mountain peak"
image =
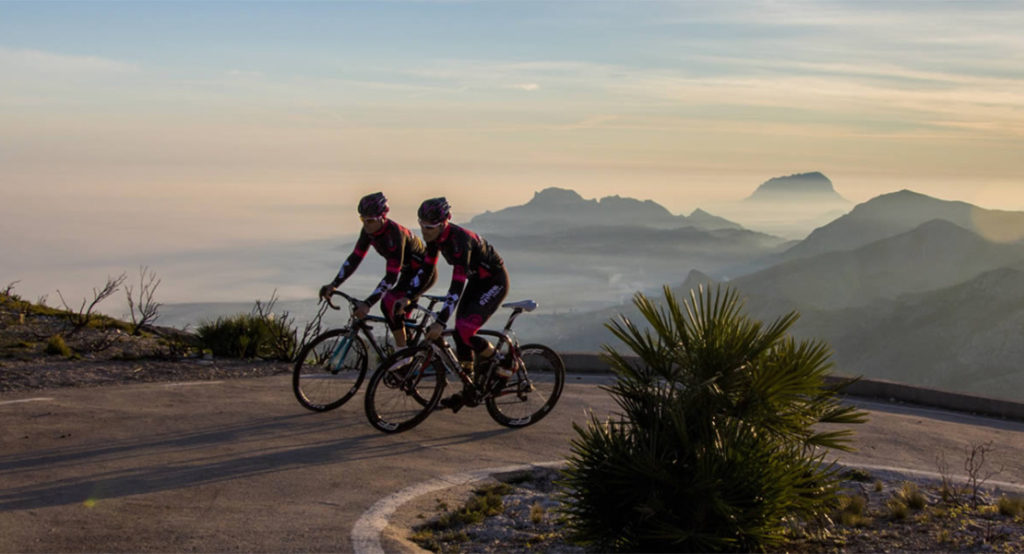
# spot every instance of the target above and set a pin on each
(555, 195)
(555, 208)
(811, 186)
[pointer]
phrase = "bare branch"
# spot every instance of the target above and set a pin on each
(83, 316)
(146, 307)
(9, 289)
(974, 465)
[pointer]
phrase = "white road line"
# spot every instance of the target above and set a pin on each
(22, 401)
(191, 384)
(959, 479)
(367, 530)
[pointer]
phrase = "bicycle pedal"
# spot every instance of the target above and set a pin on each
(453, 403)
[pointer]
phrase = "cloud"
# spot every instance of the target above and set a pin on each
(37, 61)
(529, 87)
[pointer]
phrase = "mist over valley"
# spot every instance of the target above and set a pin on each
(904, 286)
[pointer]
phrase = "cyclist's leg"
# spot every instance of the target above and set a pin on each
(480, 299)
(479, 302)
(395, 323)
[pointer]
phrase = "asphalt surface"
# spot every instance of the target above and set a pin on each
(238, 465)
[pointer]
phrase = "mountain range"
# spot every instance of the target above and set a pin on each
(930, 302)
(555, 209)
(897, 212)
(903, 286)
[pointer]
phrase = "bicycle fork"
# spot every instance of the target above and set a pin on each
(339, 354)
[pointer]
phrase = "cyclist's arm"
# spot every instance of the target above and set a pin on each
(349, 266)
(394, 266)
(460, 270)
(411, 284)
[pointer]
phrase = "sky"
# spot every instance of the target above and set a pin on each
(128, 128)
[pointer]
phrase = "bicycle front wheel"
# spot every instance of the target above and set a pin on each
(404, 389)
(329, 370)
(532, 391)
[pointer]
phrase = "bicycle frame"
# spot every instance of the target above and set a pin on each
(364, 326)
(442, 350)
(410, 384)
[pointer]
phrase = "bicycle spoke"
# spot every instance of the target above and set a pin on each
(329, 370)
(403, 391)
(532, 391)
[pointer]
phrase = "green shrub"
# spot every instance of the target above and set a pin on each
(897, 508)
(717, 441)
(853, 511)
(245, 336)
(912, 496)
(1011, 506)
(56, 345)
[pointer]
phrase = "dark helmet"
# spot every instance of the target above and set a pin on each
(373, 205)
(435, 210)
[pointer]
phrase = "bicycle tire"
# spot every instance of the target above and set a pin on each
(532, 391)
(404, 389)
(321, 384)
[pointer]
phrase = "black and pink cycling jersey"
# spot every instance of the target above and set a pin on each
(470, 256)
(479, 284)
(403, 253)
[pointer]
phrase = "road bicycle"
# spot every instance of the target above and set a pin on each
(330, 369)
(408, 386)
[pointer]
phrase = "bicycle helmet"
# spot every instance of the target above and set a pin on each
(435, 210)
(373, 205)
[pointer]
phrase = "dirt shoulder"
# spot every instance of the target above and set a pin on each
(20, 375)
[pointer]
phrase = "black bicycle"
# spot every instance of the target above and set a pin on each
(408, 386)
(330, 369)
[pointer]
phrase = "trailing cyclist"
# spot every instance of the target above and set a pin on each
(406, 274)
(479, 284)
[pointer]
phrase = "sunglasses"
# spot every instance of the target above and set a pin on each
(370, 219)
(427, 225)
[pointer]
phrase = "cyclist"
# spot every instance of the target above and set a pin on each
(479, 284)
(405, 271)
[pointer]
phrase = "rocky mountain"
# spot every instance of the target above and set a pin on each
(790, 206)
(963, 338)
(556, 209)
(933, 255)
(898, 212)
(847, 294)
(800, 187)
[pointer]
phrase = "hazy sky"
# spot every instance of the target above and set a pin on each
(178, 125)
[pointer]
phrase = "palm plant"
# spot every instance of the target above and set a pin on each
(718, 442)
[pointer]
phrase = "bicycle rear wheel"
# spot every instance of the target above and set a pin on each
(329, 370)
(404, 389)
(532, 391)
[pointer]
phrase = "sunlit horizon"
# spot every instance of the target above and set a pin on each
(132, 130)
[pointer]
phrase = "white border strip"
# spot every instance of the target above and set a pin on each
(24, 400)
(959, 479)
(368, 528)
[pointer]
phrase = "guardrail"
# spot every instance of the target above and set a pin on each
(892, 391)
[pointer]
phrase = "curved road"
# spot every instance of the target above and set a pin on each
(238, 465)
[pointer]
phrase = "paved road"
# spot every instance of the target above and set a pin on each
(238, 466)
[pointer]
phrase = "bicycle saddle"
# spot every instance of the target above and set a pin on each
(525, 305)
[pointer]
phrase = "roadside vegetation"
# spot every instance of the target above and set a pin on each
(717, 447)
(77, 329)
(31, 329)
(875, 513)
